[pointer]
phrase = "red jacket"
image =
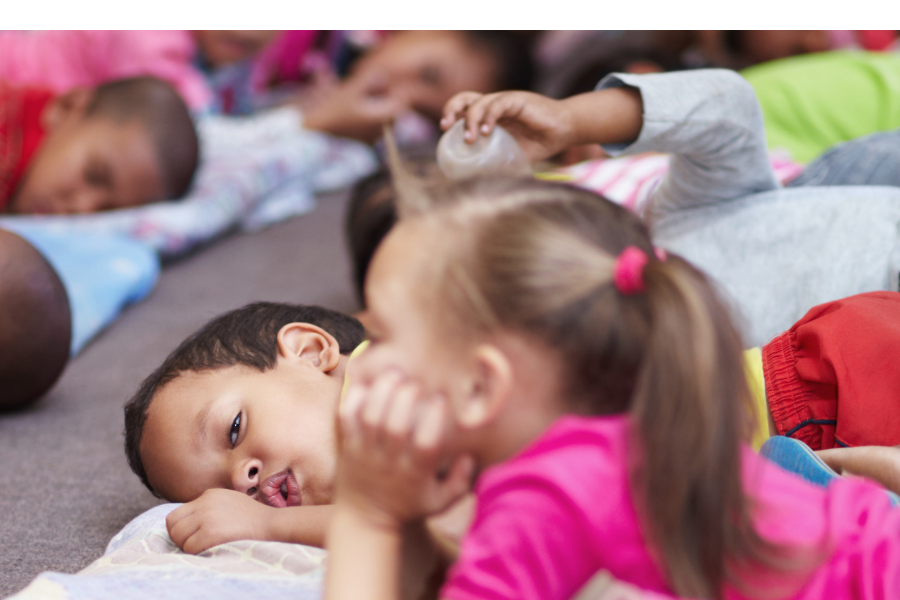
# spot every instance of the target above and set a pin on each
(21, 132)
(833, 379)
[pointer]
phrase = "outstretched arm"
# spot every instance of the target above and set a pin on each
(709, 120)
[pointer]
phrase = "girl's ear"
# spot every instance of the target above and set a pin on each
(489, 391)
(66, 108)
(310, 344)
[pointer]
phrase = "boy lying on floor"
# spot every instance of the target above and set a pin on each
(121, 144)
(248, 404)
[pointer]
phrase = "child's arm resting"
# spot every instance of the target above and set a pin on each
(219, 516)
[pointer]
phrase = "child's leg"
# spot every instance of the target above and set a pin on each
(879, 463)
(795, 456)
(870, 160)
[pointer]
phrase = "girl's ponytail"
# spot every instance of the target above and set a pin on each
(691, 408)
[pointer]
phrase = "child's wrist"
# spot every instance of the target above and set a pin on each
(567, 130)
(366, 515)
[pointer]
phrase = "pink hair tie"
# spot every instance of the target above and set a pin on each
(628, 273)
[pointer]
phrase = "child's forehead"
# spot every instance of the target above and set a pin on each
(204, 379)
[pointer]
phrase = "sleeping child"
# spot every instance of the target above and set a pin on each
(121, 144)
(417, 71)
(35, 323)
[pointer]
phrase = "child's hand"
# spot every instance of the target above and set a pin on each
(216, 517)
(357, 108)
(542, 126)
(391, 452)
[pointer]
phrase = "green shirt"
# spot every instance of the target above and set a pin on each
(813, 102)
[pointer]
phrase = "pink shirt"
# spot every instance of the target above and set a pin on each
(551, 517)
(62, 60)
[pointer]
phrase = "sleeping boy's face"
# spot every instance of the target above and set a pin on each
(269, 434)
(88, 165)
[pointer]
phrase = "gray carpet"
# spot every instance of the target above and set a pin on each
(65, 488)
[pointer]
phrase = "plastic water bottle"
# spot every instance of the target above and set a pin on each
(494, 154)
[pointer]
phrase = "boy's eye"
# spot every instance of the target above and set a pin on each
(235, 430)
(430, 75)
(97, 174)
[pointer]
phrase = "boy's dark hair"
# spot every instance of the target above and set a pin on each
(159, 108)
(372, 213)
(370, 216)
(592, 73)
(35, 323)
(512, 51)
(245, 336)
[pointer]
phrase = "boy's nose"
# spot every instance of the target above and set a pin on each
(245, 477)
(83, 201)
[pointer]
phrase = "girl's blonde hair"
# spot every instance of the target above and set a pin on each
(538, 257)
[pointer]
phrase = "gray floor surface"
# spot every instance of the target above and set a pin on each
(65, 488)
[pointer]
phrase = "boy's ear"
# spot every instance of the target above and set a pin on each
(66, 108)
(489, 388)
(306, 342)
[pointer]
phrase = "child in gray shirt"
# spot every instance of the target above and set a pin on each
(776, 251)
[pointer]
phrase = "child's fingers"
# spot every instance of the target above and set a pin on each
(182, 530)
(475, 116)
(197, 543)
(504, 105)
(376, 406)
(399, 419)
(180, 513)
(429, 428)
(348, 411)
(379, 396)
(456, 107)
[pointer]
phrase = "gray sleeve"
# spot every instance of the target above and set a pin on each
(710, 122)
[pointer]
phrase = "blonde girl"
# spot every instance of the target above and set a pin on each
(529, 336)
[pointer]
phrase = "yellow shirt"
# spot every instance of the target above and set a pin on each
(756, 380)
(356, 352)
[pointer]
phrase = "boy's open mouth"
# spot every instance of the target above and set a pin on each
(280, 490)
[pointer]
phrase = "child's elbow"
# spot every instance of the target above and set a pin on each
(735, 91)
